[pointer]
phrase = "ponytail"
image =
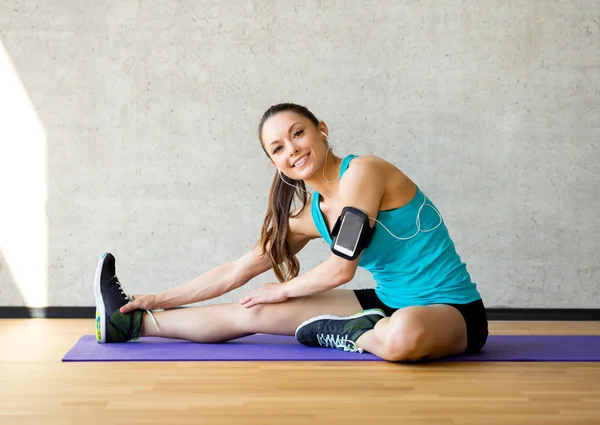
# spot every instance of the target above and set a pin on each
(273, 238)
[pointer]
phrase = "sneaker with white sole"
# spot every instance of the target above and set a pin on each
(338, 332)
(111, 324)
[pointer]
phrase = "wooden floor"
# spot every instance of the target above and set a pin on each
(36, 388)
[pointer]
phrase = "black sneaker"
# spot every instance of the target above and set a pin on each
(338, 332)
(111, 324)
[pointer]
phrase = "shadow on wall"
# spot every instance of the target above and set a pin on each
(9, 290)
(14, 304)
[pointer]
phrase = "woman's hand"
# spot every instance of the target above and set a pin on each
(141, 302)
(267, 294)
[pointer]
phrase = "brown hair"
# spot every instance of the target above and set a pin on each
(276, 224)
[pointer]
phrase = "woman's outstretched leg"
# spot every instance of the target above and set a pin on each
(210, 323)
(223, 322)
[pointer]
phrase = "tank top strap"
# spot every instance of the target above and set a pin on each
(317, 214)
(346, 163)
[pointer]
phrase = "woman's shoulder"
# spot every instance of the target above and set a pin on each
(369, 160)
(370, 164)
(377, 173)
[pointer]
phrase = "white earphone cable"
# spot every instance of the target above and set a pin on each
(417, 221)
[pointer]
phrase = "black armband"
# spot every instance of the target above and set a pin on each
(351, 233)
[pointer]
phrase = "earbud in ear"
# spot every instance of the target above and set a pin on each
(325, 135)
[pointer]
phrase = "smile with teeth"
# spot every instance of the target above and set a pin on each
(301, 161)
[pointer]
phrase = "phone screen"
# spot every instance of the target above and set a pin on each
(349, 232)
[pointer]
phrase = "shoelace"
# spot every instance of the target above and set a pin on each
(338, 341)
(130, 299)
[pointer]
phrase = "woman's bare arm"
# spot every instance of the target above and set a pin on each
(231, 275)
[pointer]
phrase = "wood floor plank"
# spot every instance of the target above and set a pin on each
(37, 388)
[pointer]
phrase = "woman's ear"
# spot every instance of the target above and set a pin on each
(322, 127)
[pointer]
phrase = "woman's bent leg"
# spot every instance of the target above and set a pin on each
(224, 322)
(415, 333)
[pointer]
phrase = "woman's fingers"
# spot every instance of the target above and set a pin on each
(250, 300)
(133, 305)
(129, 307)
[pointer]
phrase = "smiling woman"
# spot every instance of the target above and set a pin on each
(424, 305)
(295, 142)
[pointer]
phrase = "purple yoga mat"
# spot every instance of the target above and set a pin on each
(499, 348)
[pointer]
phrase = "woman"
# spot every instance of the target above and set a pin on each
(424, 306)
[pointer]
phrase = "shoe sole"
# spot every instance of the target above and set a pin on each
(100, 311)
(333, 317)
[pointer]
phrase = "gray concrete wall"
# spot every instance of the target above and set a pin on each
(144, 115)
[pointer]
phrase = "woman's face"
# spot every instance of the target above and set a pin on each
(294, 144)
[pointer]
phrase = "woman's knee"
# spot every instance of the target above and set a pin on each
(406, 336)
(268, 318)
(256, 315)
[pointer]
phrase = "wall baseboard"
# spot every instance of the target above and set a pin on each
(47, 312)
(494, 314)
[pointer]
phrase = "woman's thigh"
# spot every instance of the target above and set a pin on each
(284, 318)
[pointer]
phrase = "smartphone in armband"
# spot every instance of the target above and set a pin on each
(351, 233)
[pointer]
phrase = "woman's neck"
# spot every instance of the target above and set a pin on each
(327, 186)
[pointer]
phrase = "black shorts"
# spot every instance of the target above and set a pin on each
(473, 313)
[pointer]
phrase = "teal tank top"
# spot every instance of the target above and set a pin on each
(425, 269)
